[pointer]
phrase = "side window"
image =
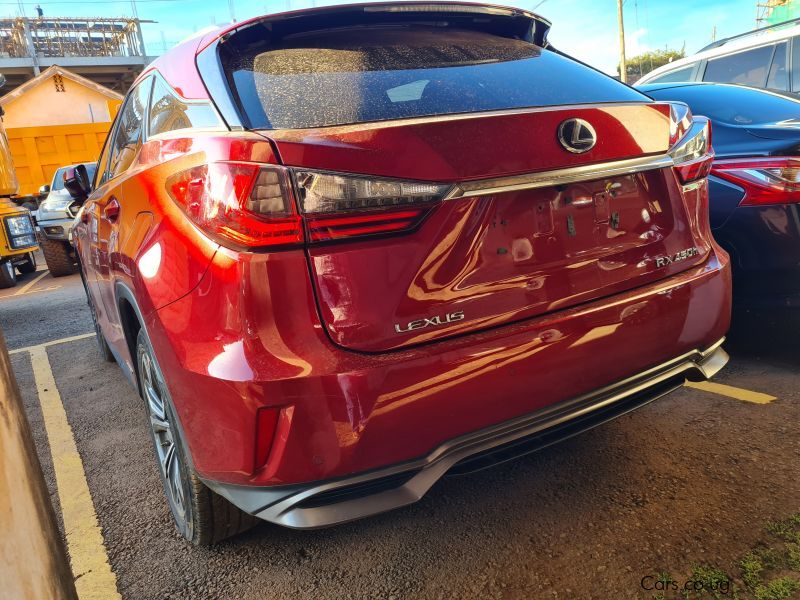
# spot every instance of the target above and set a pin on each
(100, 176)
(169, 113)
(796, 64)
(128, 134)
(747, 68)
(684, 74)
(778, 76)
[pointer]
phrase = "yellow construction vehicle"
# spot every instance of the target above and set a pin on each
(17, 233)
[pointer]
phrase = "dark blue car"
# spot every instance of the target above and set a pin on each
(754, 185)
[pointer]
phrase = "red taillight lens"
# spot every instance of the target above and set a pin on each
(765, 180)
(343, 226)
(337, 206)
(245, 204)
(692, 155)
(695, 169)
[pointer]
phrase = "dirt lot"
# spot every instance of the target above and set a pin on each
(697, 489)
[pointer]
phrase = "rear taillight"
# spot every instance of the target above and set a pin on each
(336, 206)
(680, 121)
(692, 154)
(765, 180)
(240, 204)
(253, 206)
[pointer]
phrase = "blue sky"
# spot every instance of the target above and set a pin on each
(586, 29)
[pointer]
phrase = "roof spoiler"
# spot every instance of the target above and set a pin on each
(503, 20)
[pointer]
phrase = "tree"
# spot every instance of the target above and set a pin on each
(640, 65)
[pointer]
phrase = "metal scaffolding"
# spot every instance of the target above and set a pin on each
(770, 12)
(101, 37)
(108, 51)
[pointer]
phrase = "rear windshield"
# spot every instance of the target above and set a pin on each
(735, 105)
(381, 73)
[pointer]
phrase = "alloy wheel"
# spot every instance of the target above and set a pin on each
(165, 439)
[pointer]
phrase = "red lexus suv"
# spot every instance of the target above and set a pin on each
(342, 252)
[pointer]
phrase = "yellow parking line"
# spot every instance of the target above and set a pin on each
(73, 338)
(30, 284)
(49, 288)
(87, 552)
(732, 392)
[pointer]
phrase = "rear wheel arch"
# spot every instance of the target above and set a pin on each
(132, 322)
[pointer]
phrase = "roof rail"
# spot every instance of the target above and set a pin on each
(724, 41)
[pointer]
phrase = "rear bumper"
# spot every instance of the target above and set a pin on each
(322, 504)
(343, 414)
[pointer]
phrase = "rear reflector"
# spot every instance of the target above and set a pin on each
(771, 180)
(266, 424)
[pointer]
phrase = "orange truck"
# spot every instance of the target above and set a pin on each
(17, 233)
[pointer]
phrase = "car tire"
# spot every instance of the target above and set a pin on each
(201, 516)
(57, 257)
(8, 276)
(29, 266)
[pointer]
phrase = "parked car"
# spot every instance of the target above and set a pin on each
(765, 58)
(754, 185)
(55, 217)
(346, 250)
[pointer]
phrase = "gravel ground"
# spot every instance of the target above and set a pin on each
(688, 480)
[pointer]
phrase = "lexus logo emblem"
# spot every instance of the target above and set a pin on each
(577, 136)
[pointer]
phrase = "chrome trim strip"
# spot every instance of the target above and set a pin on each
(530, 181)
(291, 133)
(281, 505)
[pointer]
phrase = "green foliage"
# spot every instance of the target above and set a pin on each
(788, 529)
(777, 589)
(640, 65)
(755, 562)
(793, 557)
(752, 567)
(713, 582)
(763, 570)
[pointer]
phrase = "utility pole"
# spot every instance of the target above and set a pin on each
(230, 7)
(623, 67)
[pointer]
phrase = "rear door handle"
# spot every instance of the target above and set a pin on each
(111, 210)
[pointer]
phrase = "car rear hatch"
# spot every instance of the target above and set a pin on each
(454, 179)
